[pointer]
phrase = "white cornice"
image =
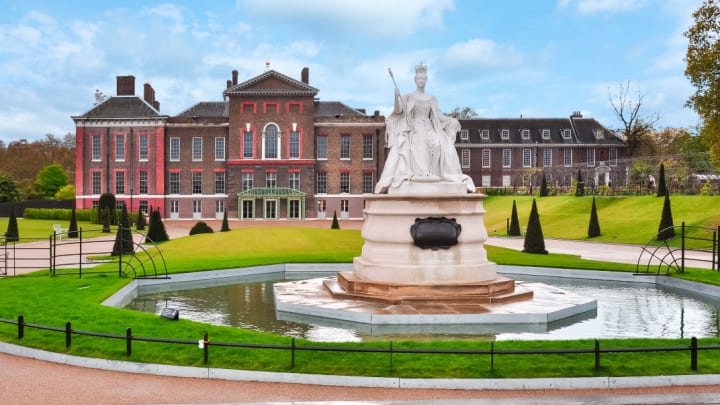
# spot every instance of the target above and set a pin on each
(120, 122)
(348, 124)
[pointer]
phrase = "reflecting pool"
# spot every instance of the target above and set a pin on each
(624, 310)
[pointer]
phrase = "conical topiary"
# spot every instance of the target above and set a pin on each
(335, 223)
(225, 227)
(105, 219)
(156, 229)
(13, 233)
(124, 244)
(73, 228)
(141, 222)
(534, 240)
(543, 186)
(580, 187)
(514, 229)
(661, 186)
(594, 227)
(666, 230)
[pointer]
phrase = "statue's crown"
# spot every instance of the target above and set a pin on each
(421, 68)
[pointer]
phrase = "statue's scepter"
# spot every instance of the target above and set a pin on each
(402, 102)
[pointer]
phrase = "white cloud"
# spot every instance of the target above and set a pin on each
(603, 6)
(379, 18)
(170, 12)
(482, 53)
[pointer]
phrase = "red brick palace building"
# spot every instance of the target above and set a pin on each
(272, 150)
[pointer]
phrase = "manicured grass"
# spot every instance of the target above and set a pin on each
(34, 229)
(633, 220)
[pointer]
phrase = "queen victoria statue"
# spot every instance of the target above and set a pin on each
(421, 141)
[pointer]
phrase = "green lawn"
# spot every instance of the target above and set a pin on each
(55, 301)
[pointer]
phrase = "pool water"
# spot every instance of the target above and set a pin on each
(624, 310)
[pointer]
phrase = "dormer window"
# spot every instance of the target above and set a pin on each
(566, 134)
(599, 134)
(464, 135)
(525, 133)
(485, 134)
(504, 134)
(546, 134)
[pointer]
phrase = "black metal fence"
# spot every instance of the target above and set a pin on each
(690, 245)
(693, 348)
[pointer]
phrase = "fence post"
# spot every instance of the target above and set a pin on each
(682, 251)
(391, 358)
(128, 342)
(52, 253)
(492, 356)
(68, 334)
(206, 343)
(80, 260)
(597, 354)
(21, 327)
(292, 356)
(693, 353)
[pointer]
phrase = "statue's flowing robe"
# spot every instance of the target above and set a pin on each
(421, 143)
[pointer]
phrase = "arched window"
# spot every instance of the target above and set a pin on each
(271, 142)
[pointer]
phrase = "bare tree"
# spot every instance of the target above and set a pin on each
(635, 130)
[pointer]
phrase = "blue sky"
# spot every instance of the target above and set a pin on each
(539, 58)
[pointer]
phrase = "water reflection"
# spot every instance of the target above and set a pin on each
(624, 310)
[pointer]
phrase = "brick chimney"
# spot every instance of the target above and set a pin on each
(229, 84)
(234, 77)
(149, 95)
(305, 75)
(126, 85)
(156, 104)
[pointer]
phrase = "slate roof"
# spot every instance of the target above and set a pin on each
(581, 131)
(207, 109)
(335, 109)
(250, 87)
(122, 107)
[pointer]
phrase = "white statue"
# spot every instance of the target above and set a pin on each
(421, 141)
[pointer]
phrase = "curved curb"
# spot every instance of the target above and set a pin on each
(355, 381)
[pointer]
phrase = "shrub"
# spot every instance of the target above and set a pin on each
(514, 229)
(107, 200)
(534, 240)
(594, 226)
(73, 228)
(124, 244)
(105, 219)
(225, 227)
(156, 229)
(200, 227)
(666, 230)
(335, 223)
(13, 233)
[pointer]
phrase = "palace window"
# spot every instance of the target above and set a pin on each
(119, 148)
(465, 158)
(485, 158)
(566, 133)
(96, 148)
(591, 157)
(143, 182)
(270, 179)
(506, 158)
(527, 158)
(367, 147)
(613, 157)
(321, 183)
(197, 148)
(119, 182)
(174, 183)
(219, 148)
(547, 157)
(248, 145)
(485, 134)
(344, 146)
(219, 182)
(96, 183)
(247, 181)
(322, 144)
(505, 134)
(567, 157)
(143, 147)
(294, 145)
(464, 136)
(368, 182)
(174, 149)
(271, 142)
(344, 182)
(197, 182)
(294, 180)
(545, 134)
(525, 134)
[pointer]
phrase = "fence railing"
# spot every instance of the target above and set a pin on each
(689, 245)
(205, 344)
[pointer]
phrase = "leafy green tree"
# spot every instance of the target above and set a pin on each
(13, 233)
(335, 223)
(594, 226)
(580, 188)
(156, 229)
(514, 229)
(662, 184)
(51, 179)
(703, 65)
(73, 228)
(543, 186)
(225, 226)
(534, 239)
(666, 230)
(124, 243)
(66, 192)
(8, 189)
